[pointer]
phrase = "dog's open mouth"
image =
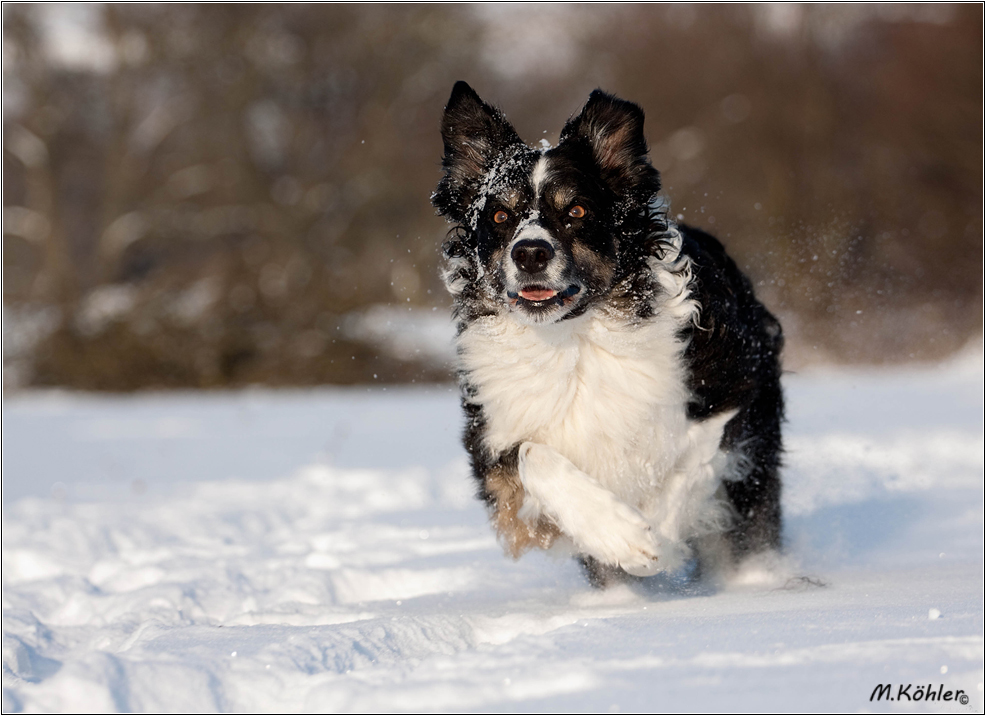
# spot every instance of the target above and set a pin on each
(538, 296)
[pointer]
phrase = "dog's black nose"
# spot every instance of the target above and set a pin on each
(532, 255)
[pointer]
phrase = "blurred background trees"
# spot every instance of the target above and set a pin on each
(219, 195)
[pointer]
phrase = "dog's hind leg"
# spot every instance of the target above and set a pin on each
(756, 498)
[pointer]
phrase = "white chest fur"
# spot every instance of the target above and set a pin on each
(608, 395)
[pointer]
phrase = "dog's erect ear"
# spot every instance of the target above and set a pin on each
(613, 130)
(475, 135)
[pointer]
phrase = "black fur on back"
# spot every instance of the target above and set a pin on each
(733, 359)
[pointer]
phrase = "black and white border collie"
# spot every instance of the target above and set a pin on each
(621, 382)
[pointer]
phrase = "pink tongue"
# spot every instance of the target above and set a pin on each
(537, 294)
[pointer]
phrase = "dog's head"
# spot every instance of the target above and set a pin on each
(546, 225)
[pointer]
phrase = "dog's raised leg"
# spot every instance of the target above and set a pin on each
(599, 524)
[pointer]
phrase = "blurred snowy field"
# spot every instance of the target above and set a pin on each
(321, 551)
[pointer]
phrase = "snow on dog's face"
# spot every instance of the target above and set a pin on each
(545, 225)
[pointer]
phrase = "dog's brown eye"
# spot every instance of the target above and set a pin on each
(500, 216)
(576, 212)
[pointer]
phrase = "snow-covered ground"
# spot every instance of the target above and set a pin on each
(321, 551)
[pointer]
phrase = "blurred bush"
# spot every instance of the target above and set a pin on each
(215, 195)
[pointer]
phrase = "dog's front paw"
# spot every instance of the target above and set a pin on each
(599, 524)
(622, 538)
